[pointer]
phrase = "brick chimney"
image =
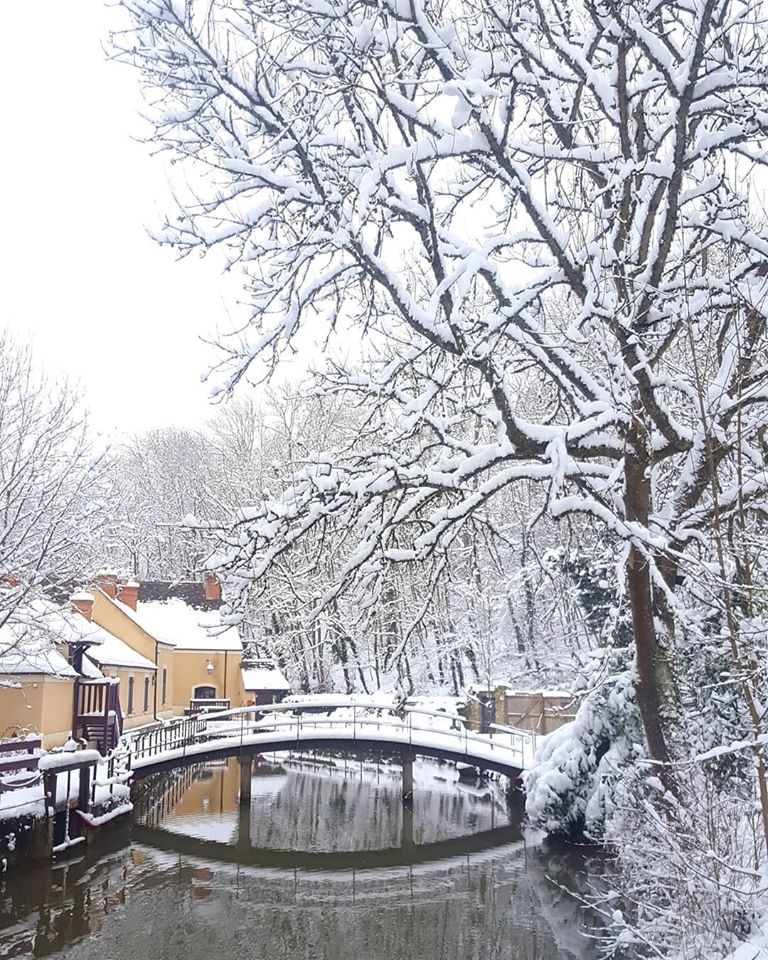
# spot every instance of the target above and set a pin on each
(211, 586)
(128, 592)
(108, 583)
(83, 603)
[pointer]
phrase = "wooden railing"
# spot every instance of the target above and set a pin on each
(96, 704)
(206, 705)
(17, 756)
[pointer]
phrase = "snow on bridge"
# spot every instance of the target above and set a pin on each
(341, 723)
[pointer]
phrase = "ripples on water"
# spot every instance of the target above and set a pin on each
(324, 865)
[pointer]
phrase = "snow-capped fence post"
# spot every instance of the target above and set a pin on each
(84, 788)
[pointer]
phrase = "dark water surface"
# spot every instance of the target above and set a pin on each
(323, 864)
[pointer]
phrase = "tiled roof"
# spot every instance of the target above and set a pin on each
(192, 592)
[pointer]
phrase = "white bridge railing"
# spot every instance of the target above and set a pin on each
(412, 727)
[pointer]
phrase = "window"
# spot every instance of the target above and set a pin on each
(165, 685)
(204, 693)
(146, 694)
(130, 695)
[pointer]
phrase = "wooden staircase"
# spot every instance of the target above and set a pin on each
(96, 716)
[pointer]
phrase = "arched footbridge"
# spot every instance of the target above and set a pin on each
(336, 724)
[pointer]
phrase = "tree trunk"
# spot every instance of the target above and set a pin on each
(637, 502)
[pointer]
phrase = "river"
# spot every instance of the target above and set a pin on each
(324, 864)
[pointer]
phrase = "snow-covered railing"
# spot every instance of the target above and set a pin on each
(18, 763)
(336, 719)
(78, 781)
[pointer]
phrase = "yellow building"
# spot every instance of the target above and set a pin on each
(127, 655)
(37, 677)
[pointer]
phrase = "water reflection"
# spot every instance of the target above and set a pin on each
(201, 884)
(318, 810)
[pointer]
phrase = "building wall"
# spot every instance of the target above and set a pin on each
(189, 671)
(217, 794)
(39, 704)
(138, 715)
(166, 660)
(108, 615)
(539, 711)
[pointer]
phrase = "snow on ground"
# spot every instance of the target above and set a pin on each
(756, 948)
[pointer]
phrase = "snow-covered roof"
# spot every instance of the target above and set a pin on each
(187, 628)
(136, 616)
(264, 675)
(113, 652)
(89, 669)
(38, 659)
(29, 640)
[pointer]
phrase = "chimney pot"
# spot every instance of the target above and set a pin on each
(83, 604)
(128, 593)
(107, 582)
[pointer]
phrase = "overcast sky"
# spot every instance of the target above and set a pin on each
(102, 302)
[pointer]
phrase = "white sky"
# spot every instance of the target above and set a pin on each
(103, 303)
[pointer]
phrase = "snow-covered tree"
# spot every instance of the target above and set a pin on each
(159, 478)
(52, 488)
(536, 219)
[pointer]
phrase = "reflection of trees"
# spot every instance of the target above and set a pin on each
(562, 880)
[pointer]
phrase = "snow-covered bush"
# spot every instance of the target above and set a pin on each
(580, 769)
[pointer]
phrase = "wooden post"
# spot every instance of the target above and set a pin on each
(246, 773)
(407, 762)
(75, 706)
(84, 792)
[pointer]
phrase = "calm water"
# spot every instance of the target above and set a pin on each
(323, 865)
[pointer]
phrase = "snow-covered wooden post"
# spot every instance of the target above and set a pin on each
(84, 790)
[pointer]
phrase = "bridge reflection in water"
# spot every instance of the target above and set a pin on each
(332, 816)
(206, 878)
